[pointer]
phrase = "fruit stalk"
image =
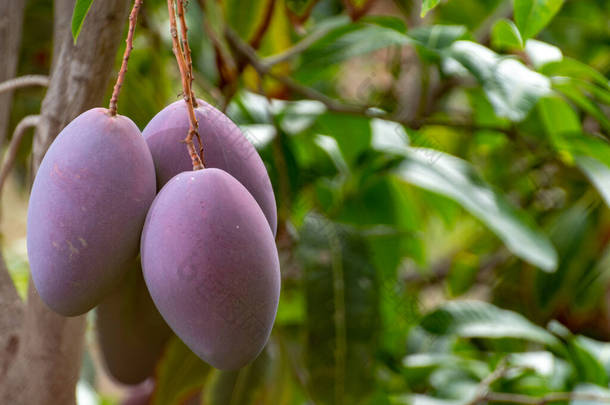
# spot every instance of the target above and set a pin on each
(186, 86)
(186, 47)
(189, 61)
(133, 17)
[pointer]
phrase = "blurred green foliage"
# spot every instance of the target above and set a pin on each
(463, 155)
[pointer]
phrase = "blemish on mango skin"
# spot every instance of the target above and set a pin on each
(73, 250)
(55, 245)
(83, 242)
(56, 171)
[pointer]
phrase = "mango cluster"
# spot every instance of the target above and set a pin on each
(118, 220)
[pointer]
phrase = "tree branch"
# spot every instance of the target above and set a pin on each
(483, 32)
(24, 81)
(11, 153)
(484, 386)
(295, 50)
(247, 52)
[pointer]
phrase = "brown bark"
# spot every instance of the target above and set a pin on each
(11, 20)
(47, 348)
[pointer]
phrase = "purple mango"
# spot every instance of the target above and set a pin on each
(225, 147)
(130, 330)
(211, 266)
(87, 208)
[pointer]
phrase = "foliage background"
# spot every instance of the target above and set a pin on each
(442, 183)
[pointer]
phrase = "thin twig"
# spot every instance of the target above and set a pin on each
(544, 400)
(263, 70)
(189, 62)
(249, 53)
(11, 153)
(193, 128)
(356, 12)
(487, 382)
(483, 33)
(226, 65)
(133, 18)
(296, 50)
(485, 395)
(24, 81)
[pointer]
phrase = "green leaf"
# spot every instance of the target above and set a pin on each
(511, 87)
(342, 322)
(477, 319)
(532, 16)
(598, 173)
(331, 147)
(600, 350)
(346, 41)
(259, 135)
(438, 36)
(569, 235)
(353, 134)
(576, 70)
(454, 178)
(180, 374)
(298, 116)
(559, 119)
(543, 362)
(599, 94)
(587, 364)
(81, 8)
(505, 35)
(388, 136)
(571, 89)
(592, 155)
(541, 53)
(428, 5)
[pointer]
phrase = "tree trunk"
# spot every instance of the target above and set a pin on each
(46, 347)
(11, 20)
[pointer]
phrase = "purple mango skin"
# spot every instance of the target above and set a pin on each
(87, 208)
(130, 330)
(211, 266)
(224, 147)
